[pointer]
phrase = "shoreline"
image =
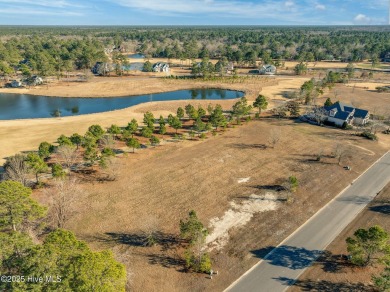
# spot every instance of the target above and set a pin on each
(93, 87)
(119, 96)
(26, 134)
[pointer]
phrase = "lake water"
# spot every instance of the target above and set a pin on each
(136, 56)
(25, 106)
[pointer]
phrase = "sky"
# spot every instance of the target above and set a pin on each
(194, 12)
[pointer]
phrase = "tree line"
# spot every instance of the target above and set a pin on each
(51, 51)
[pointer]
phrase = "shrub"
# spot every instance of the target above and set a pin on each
(154, 140)
(57, 171)
(346, 126)
(368, 135)
(146, 132)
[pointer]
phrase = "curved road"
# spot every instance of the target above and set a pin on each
(282, 266)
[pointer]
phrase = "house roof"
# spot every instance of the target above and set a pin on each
(344, 110)
(342, 115)
(341, 107)
(360, 113)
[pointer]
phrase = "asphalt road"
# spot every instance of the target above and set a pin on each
(280, 268)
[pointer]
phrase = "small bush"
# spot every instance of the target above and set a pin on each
(202, 136)
(369, 135)
(57, 170)
(346, 126)
(383, 89)
(154, 140)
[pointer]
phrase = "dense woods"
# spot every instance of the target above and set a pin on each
(55, 50)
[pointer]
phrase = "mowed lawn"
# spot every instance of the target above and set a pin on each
(161, 185)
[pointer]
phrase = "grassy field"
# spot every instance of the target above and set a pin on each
(332, 272)
(221, 178)
(15, 136)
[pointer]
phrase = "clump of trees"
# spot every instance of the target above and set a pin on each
(70, 262)
(193, 231)
(368, 245)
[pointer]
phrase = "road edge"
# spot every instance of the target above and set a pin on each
(301, 226)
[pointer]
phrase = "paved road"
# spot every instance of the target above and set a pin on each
(282, 266)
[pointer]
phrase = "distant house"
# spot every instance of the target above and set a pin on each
(268, 70)
(340, 113)
(161, 67)
(102, 68)
(16, 83)
(229, 68)
(386, 58)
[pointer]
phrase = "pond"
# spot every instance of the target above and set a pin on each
(25, 106)
(136, 56)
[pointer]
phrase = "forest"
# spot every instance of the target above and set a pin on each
(54, 50)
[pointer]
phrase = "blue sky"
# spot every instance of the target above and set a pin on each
(193, 12)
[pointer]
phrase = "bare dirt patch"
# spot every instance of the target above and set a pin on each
(238, 216)
(332, 272)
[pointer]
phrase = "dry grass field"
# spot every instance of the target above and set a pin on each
(15, 136)
(332, 272)
(231, 180)
(221, 178)
(377, 103)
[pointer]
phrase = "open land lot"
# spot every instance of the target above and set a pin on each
(377, 103)
(215, 177)
(332, 272)
(222, 178)
(17, 136)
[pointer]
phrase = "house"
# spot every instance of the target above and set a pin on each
(33, 80)
(102, 68)
(340, 113)
(16, 83)
(386, 58)
(230, 68)
(161, 67)
(268, 70)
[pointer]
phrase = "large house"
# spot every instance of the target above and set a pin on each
(268, 70)
(340, 113)
(161, 67)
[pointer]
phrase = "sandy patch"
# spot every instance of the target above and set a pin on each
(239, 215)
(367, 85)
(243, 180)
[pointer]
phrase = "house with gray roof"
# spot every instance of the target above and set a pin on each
(268, 70)
(340, 113)
(161, 67)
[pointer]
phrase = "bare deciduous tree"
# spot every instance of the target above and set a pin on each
(107, 141)
(63, 195)
(319, 114)
(111, 168)
(150, 227)
(68, 154)
(274, 138)
(340, 152)
(17, 169)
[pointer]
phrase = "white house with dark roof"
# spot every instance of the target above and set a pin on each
(268, 70)
(161, 67)
(340, 113)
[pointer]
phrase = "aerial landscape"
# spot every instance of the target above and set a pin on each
(199, 145)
